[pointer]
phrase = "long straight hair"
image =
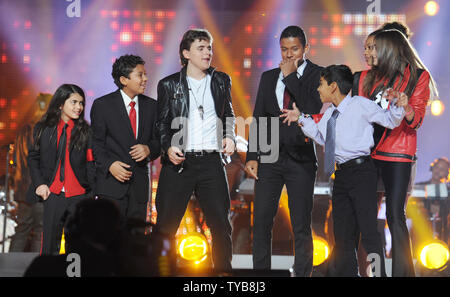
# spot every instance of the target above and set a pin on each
(81, 132)
(395, 53)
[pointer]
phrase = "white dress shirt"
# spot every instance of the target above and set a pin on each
(126, 101)
(279, 91)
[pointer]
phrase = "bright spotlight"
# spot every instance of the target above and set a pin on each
(434, 255)
(321, 251)
(431, 8)
(193, 247)
(437, 107)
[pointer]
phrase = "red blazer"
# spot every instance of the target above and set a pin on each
(400, 144)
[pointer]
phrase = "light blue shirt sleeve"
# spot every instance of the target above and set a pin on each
(389, 118)
(311, 129)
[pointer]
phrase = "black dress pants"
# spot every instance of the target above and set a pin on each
(205, 176)
(355, 210)
(299, 179)
(396, 176)
(55, 208)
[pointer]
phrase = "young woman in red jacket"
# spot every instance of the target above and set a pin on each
(395, 64)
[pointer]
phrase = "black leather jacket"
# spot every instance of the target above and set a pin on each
(173, 102)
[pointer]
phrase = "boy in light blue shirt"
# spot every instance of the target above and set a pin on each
(346, 131)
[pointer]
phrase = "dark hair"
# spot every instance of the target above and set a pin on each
(395, 53)
(294, 31)
(123, 66)
(189, 37)
(341, 75)
(403, 28)
(52, 116)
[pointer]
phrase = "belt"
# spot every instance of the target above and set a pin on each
(352, 162)
(202, 153)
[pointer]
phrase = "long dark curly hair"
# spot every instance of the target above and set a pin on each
(81, 131)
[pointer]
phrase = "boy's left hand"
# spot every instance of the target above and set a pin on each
(139, 152)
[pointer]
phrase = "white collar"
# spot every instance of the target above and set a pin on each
(127, 99)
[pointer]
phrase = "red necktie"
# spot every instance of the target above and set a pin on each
(286, 98)
(132, 116)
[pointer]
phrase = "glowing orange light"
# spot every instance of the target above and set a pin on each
(321, 250)
(434, 255)
(431, 8)
(437, 107)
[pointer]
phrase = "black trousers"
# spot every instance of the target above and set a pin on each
(130, 205)
(299, 180)
(396, 176)
(355, 210)
(27, 236)
(56, 209)
(205, 176)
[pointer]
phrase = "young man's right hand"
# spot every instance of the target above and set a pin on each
(117, 169)
(175, 155)
(251, 167)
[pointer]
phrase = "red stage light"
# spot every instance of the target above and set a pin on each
(248, 51)
(237, 73)
(27, 25)
(4, 59)
(126, 13)
(313, 30)
(248, 73)
(114, 47)
(313, 41)
(137, 26)
(158, 61)
(159, 26)
(226, 39)
(158, 48)
(2, 136)
(13, 125)
(248, 29)
(114, 13)
(13, 114)
(259, 51)
(171, 14)
(3, 102)
(269, 63)
(104, 13)
(26, 46)
(114, 25)
(259, 63)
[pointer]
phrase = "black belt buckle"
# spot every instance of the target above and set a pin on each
(356, 161)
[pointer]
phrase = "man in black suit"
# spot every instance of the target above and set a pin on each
(294, 165)
(125, 138)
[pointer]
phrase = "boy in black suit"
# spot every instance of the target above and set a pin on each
(294, 165)
(125, 138)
